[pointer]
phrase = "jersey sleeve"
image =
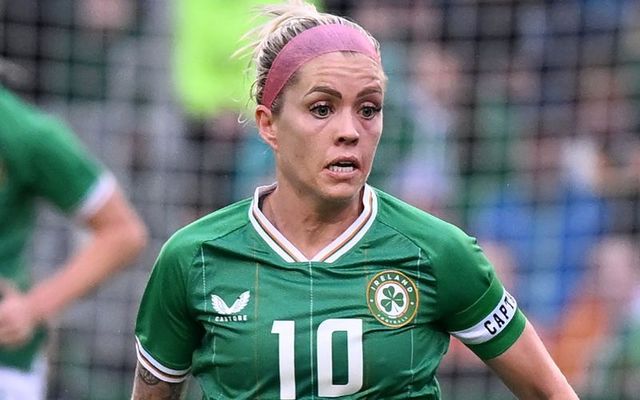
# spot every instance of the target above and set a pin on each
(475, 306)
(166, 331)
(62, 171)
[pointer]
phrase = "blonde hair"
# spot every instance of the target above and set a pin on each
(286, 22)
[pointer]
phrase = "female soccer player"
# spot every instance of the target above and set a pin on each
(320, 285)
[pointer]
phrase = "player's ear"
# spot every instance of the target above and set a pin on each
(266, 126)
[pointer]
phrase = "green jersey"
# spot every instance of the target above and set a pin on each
(39, 159)
(232, 301)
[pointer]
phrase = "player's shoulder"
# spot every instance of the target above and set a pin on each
(10, 103)
(26, 127)
(18, 112)
(414, 222)
(444, 243)
(213, 226)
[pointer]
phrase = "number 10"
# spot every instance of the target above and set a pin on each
(286, 344)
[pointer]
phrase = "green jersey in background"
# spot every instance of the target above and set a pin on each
(39, 159)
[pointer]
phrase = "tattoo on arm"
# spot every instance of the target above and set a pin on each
(147, 386)
(147, 377)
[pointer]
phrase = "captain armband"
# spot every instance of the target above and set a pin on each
(492, 325)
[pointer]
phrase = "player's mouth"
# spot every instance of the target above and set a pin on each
(344, 165)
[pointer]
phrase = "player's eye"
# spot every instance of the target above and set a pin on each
(369, 111)
(321, 110)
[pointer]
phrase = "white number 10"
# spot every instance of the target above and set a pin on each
(286, 342)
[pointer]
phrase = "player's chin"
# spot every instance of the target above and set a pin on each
(344, 190)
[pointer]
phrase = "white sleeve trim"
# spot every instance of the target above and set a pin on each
(158, 370)
(494, 323)
(96, 197)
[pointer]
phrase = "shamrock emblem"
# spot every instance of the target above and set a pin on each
(391, 298)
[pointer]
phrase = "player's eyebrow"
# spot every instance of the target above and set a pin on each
(332, 92)
(369, 90)
(325, 89)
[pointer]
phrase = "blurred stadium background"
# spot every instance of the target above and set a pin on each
(517, 120)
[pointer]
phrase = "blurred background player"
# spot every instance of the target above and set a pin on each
(40, 159)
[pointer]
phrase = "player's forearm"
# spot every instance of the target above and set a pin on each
(529, 372)
(148, 387)
(551, 390)
(118, 236)
(92, 265)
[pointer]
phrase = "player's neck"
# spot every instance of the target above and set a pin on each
(308, 228)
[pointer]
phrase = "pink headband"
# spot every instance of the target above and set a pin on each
(309, 44)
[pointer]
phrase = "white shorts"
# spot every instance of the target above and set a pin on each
(24, 385)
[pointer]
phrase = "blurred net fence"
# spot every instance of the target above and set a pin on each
(517, 120)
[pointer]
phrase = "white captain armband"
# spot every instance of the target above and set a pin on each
(494, 323)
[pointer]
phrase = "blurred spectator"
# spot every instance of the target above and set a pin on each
(605, 158)
(619, 178)
(505, 112)
(601, 319)
(547, 223)
(609, 145)
(425, 175)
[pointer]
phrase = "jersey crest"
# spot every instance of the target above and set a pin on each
(392, 298)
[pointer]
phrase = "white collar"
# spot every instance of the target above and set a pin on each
(340, 245)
